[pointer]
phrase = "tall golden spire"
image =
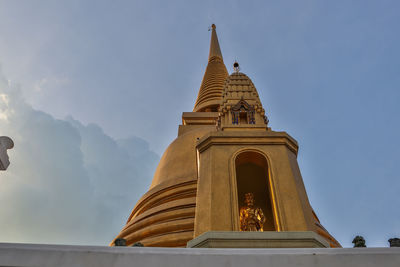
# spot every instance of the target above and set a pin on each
(201, 182)
(210, 93)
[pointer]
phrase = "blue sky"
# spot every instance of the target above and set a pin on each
(327, 73)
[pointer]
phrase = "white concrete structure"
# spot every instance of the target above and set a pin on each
(5, 143)
(25, 255)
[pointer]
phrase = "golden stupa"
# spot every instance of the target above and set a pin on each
(224, 151)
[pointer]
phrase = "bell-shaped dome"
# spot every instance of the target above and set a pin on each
(179, 159)
(164, 216)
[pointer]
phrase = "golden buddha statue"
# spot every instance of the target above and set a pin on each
(251, 218)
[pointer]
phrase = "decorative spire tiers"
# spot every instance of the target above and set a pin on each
(224, 153)
(210, 92)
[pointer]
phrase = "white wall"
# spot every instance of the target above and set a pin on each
(57, 255)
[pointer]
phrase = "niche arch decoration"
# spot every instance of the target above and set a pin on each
(243, 113)
(251, 174)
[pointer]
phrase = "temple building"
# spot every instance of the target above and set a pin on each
(226, 171)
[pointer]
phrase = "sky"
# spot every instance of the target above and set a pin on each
(92, 92)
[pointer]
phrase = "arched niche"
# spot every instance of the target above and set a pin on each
(252, 177)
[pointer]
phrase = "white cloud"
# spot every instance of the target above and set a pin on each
(67, 183)
(49, 82)
(4, 100)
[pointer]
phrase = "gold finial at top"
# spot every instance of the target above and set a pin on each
(215, 50)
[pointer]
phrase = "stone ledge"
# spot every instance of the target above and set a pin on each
(247, 138)
(220, 239)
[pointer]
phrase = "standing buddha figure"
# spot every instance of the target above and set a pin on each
(251, 218)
